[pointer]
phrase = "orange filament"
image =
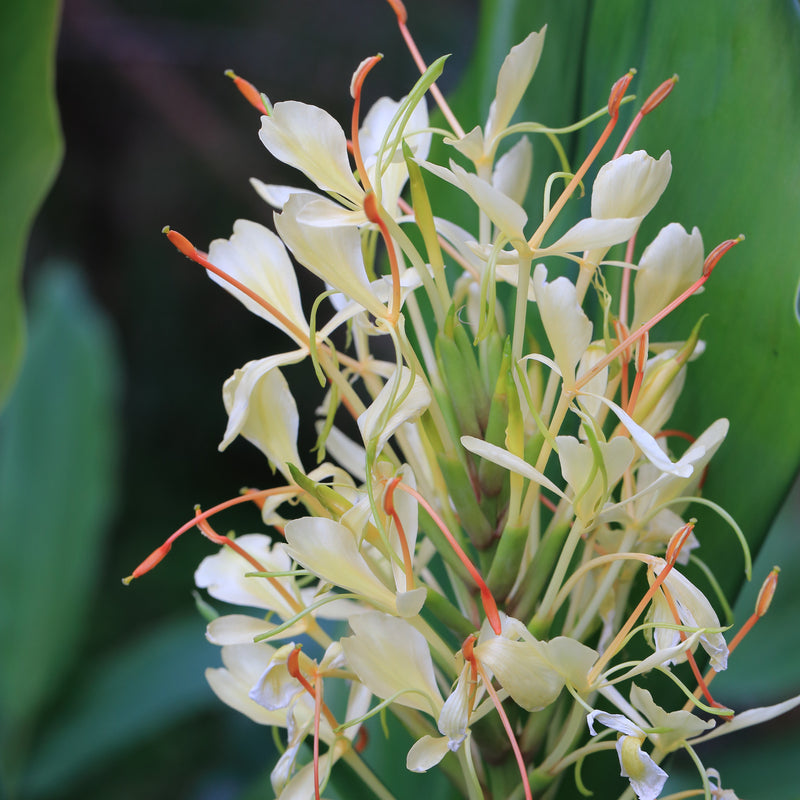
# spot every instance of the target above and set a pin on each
(251, 495)
(487, 600)
(621, 331)
(388, 507)
(205, 528)
(250, 93)
(320, 707)
(625, 288)
(640, 364)
(710, 263)
(373, 215)
(763, 601)
(469, 655)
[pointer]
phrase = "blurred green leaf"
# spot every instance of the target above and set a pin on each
(30, 151)
(152, 682)
(58, 438)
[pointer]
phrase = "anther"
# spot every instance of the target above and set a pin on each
(249, 92)
(716, 254)
(767, 592)
(659, 95)
(618, 92)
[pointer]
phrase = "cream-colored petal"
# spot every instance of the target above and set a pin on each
(331, 253)
(330, 551)
(568, 329)
(403, 398)
(261, 408)
(594, 234)
(522, 670)
(501, 457)
(391, 656)
(512, 173)
(256, 257)
(629, 186)
(670, 264)
(512, 81)
(223, 575)
(427, 752)
(277, 195)
(311, 140)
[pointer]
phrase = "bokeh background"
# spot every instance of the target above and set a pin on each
(155, 134)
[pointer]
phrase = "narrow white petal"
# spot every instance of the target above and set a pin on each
(427, 752)
(512, 81)
(497, 455)
(592, 233)
(512, 172)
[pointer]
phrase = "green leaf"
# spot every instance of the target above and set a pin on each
(30, 151)
(731, 125)
(58, 438)
(149, 684)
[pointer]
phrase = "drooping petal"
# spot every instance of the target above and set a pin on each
(261, 408)
(427, 752)
(646, 777)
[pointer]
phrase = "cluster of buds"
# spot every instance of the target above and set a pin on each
(497, 511)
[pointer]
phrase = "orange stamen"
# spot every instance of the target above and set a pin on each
(708, 266)
(652, 102)
(193, 254)
(469, 655)
(251, 495)
(355, 91)
(373, 215)
(402, 17)
(205, 528)
(640, 364)
(250, 93)
(673, 550)
(615, 97)
(389, 508)
(487, 600)
(762, 606)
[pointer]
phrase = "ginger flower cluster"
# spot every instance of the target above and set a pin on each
(491, 539)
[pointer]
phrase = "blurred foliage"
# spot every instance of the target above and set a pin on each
(30, 151)
(155, 135)
(58, 457)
